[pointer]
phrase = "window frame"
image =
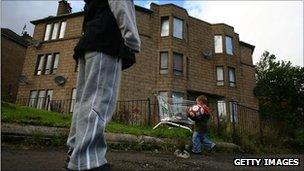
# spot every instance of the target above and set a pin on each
(54, 70)
(51, 30)
(226, 47)
(182, 36)
(160, 63)
(52, 24)
(43, 99)
(230, 82)
(34, 99)
(48, 101)
(60, 29)
(182, 64)
(233, 112)
(177, 101)
(39, 56)
(218, 81)
(221, 41)
(221, 104)
(46, 62)
(163, 18)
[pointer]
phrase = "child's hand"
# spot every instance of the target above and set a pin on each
(191, 114)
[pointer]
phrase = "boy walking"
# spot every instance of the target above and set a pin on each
(201, 126)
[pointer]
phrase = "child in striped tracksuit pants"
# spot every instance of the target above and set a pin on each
(108, 43)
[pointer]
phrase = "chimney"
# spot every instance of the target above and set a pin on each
(63, 8)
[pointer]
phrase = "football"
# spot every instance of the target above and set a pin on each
(195, 110)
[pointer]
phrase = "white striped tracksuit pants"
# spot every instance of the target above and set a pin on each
(97, 88)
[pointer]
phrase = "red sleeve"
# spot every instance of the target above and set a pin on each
(206, 110)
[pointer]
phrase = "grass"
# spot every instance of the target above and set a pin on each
(161, 132)
(11, 113)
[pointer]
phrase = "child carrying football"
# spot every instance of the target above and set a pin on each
(200, 113)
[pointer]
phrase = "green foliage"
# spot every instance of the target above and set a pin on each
(280, 90)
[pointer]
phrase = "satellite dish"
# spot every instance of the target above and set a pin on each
(22, 79)
(207, 54)
(60, 80)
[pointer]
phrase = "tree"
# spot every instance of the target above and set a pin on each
(280, 91)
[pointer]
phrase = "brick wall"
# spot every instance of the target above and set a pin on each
(12, 59)
(143, 79)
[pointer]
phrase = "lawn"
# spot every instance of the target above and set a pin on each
(12, 113)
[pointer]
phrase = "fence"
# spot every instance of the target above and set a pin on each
(60, 106)
(133, 112)
(236, 122)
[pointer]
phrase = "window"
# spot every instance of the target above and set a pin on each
(177, 100)
(73, 99)
(164, 26)
(177, 64)
(221, 109)
(231, 77)
(164, 110)
(229, 45)
(47, 64)
(218, 44)
(49, 97)
(219, 76)
(55, 30)
(163, 63)
(47, 31)
(40, 99)
(49, 61)
(55, 65)
(62, 29)
(33, 98)
(40, 64)
(187, 67)
(233, 111)
(178, 28)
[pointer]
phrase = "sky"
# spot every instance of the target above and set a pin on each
(275, 26)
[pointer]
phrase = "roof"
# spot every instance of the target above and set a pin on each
(14, 37)
(138, 8)
(75, 14)
(171, 4)
(52, 18)
(247, 45)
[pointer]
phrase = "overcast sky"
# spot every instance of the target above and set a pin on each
(275, 26)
